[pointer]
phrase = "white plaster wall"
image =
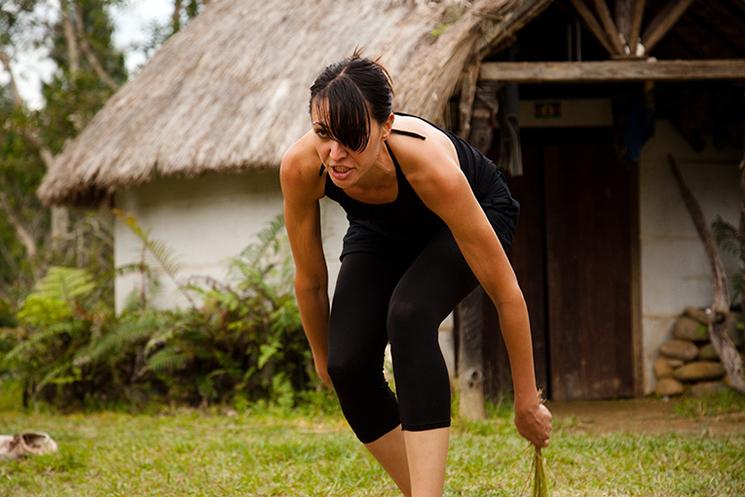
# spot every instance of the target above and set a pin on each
(334, 223)
(675, 271)
(204, 221)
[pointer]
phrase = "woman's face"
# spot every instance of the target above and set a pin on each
(343, 165)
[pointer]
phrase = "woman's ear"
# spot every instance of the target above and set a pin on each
(388, 125)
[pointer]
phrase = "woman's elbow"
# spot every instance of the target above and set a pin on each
(305, 284)
(509, 297)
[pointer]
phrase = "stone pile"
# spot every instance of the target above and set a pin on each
(687, 363)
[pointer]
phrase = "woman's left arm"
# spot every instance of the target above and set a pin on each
(445, 190)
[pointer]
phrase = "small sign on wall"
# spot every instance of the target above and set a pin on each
(547, 110)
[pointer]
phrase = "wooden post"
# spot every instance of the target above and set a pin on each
(742, 225)
(470, 361)
(467, 94)
(469, 312)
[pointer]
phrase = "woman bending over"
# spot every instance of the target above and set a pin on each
(430, 218)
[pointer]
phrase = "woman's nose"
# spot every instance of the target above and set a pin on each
(336, 151)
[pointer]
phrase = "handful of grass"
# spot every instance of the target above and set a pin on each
(540, 482)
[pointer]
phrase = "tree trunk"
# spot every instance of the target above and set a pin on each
(89, 54)
(21, 232)
(73, 54)
(470, 363)
(176, 16)
(5, 61)
(60, 226)
(719, 310)
(60, 218)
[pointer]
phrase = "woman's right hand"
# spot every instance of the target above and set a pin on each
(534, 424)
(322, 371)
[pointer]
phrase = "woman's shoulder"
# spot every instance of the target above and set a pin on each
(419, 156)
(299, 167)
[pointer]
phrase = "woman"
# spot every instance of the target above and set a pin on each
(430, 218)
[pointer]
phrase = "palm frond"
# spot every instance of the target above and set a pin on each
(158, 249)
(65, 284)
(167, 359)
(159, 338)
(134, 267)
(34, 339)
(727, 236)
(267, 238)
(53, 376)
(127, 331)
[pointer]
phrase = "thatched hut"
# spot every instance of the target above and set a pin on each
(605, 253)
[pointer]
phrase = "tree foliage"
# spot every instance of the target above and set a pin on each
(59, 334)
(76, 36)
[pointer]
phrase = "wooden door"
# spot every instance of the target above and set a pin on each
(572, 257)
(588, 247)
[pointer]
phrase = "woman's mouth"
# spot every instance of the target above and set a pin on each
(340, 172)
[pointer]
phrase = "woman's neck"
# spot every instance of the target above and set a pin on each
(379, 183)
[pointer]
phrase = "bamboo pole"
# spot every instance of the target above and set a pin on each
(636, 25)
(593, 25)
(663, 21)
(610, 26)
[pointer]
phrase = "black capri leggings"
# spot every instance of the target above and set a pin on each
(403, 300)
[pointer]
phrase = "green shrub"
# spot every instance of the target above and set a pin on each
(59, 319)
(238, 341)
(244, 339)
(7, 318)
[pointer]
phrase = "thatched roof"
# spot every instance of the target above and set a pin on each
(229, 92)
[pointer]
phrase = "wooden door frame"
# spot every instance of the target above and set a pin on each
(637, 348)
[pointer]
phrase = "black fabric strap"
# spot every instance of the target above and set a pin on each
(408, 133)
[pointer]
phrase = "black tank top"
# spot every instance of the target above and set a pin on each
(406, 221)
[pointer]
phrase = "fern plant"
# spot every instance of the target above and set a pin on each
(243, 341)
(246, 339)
(158, 249)
(59, 320)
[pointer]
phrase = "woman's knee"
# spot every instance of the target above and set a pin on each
(345, 367)
(402, 314)
(409, 324)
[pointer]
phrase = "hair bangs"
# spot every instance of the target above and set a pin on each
(342, 109)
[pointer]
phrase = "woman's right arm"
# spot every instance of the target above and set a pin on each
(303, 222)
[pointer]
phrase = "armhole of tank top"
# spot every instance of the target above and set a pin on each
(326, 184)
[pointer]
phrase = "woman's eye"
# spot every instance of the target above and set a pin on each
(321, 133)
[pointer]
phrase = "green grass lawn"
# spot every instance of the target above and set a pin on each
(269, 451)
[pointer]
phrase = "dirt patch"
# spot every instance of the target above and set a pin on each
(647, 415)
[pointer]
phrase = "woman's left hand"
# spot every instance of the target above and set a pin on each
(534, 423)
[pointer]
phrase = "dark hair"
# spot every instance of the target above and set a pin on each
(351, 92)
